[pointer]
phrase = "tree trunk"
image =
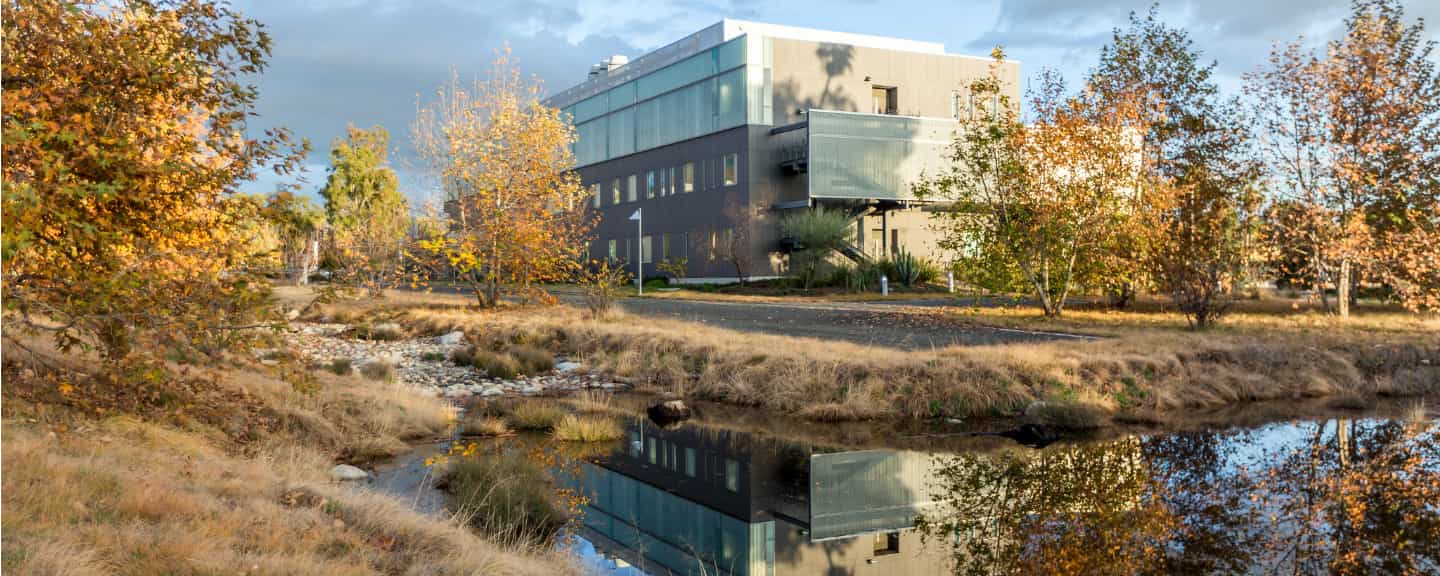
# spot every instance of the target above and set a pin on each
(1343, 288)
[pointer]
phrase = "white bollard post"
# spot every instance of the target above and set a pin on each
(884, 285)
(950, 276)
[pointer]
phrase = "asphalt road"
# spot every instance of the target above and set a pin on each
(906, 325)
(902, 324)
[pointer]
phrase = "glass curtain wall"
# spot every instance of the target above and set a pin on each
(698, 95)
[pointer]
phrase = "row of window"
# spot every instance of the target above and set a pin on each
(673, 247)
(664, 182)
(666, 454)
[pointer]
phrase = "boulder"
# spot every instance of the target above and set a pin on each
(452, 339)
(669, 412)
(567, 366)
(346, 472)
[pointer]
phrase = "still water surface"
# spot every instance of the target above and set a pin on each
(1336, 495)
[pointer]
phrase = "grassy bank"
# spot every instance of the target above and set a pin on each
(1156, 372)
(1147, 365)
(219, 471)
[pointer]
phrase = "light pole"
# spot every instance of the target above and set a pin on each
(639, 252)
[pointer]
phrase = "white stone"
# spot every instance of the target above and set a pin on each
(346, 472)
(452, 339)
(567, 366)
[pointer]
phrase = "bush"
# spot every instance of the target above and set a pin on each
(484, 426)
(381, 370)
(573, 428)
(463, 356)
(505, 495)
(817, 233)
(432, 356)
(495, 364)
(532, 360)
(602, 283)
(385, 331)
(341, 366)
(1065, 415)
(532, 415)
(911, 270)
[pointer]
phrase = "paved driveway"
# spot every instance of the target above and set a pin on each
(905, 325)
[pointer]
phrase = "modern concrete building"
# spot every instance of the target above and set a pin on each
(741, 123)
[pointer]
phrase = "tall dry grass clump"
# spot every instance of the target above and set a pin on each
(574, 428)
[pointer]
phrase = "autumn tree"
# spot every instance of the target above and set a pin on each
(1350, 139)
(124, 141)
(1045, 198)
(368, 216)
(518, 213)
(1383, 100)
(1198, 192)
(296, 224)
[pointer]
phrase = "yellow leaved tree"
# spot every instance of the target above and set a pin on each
(516, 210)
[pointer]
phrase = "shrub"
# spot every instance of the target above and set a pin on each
(912, 270)
(1065, 415)
(817, 233)
(385, 331)
(506, 495)
(495, 364)
(533, 415)
(601, 284)
(381, 370)
(463, 356)
(484, 426)
(341, 366)
(574, 428)
(532, 360)
(432, 356)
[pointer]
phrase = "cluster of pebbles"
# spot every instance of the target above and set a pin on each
(423, 364)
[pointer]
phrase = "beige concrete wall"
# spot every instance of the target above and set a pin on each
(915, 230)
(832, 77)
(796, 554)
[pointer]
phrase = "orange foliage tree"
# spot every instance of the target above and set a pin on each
(124, 138)
(518, 215)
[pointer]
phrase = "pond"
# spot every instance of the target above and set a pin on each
(1357, 494)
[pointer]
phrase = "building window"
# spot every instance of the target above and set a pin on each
(690, 462)
(650, 449)
(595, 191)
(674, 184)
(650, 184)
(634, 440)
(645, 250)
(955, 105)
(613, 255)
(732, 169)
(689, 172)
(887, 543)
(615, 193)
(884, 99)
(732, 475)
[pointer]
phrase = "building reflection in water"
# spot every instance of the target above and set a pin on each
(704, 501)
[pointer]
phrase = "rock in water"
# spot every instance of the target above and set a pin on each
(452, 339)
(346, 472)
(669, 412)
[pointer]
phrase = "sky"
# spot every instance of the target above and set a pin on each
(367, 62)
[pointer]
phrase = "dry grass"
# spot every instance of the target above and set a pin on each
(532, 360)
(242, 488)
(484, 426)
(379, 370)
(534, 415)
(1148, 372)
(574, 428)
(592, 401)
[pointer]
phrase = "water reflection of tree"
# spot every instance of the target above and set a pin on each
(1074, 509)
(1347, 498)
